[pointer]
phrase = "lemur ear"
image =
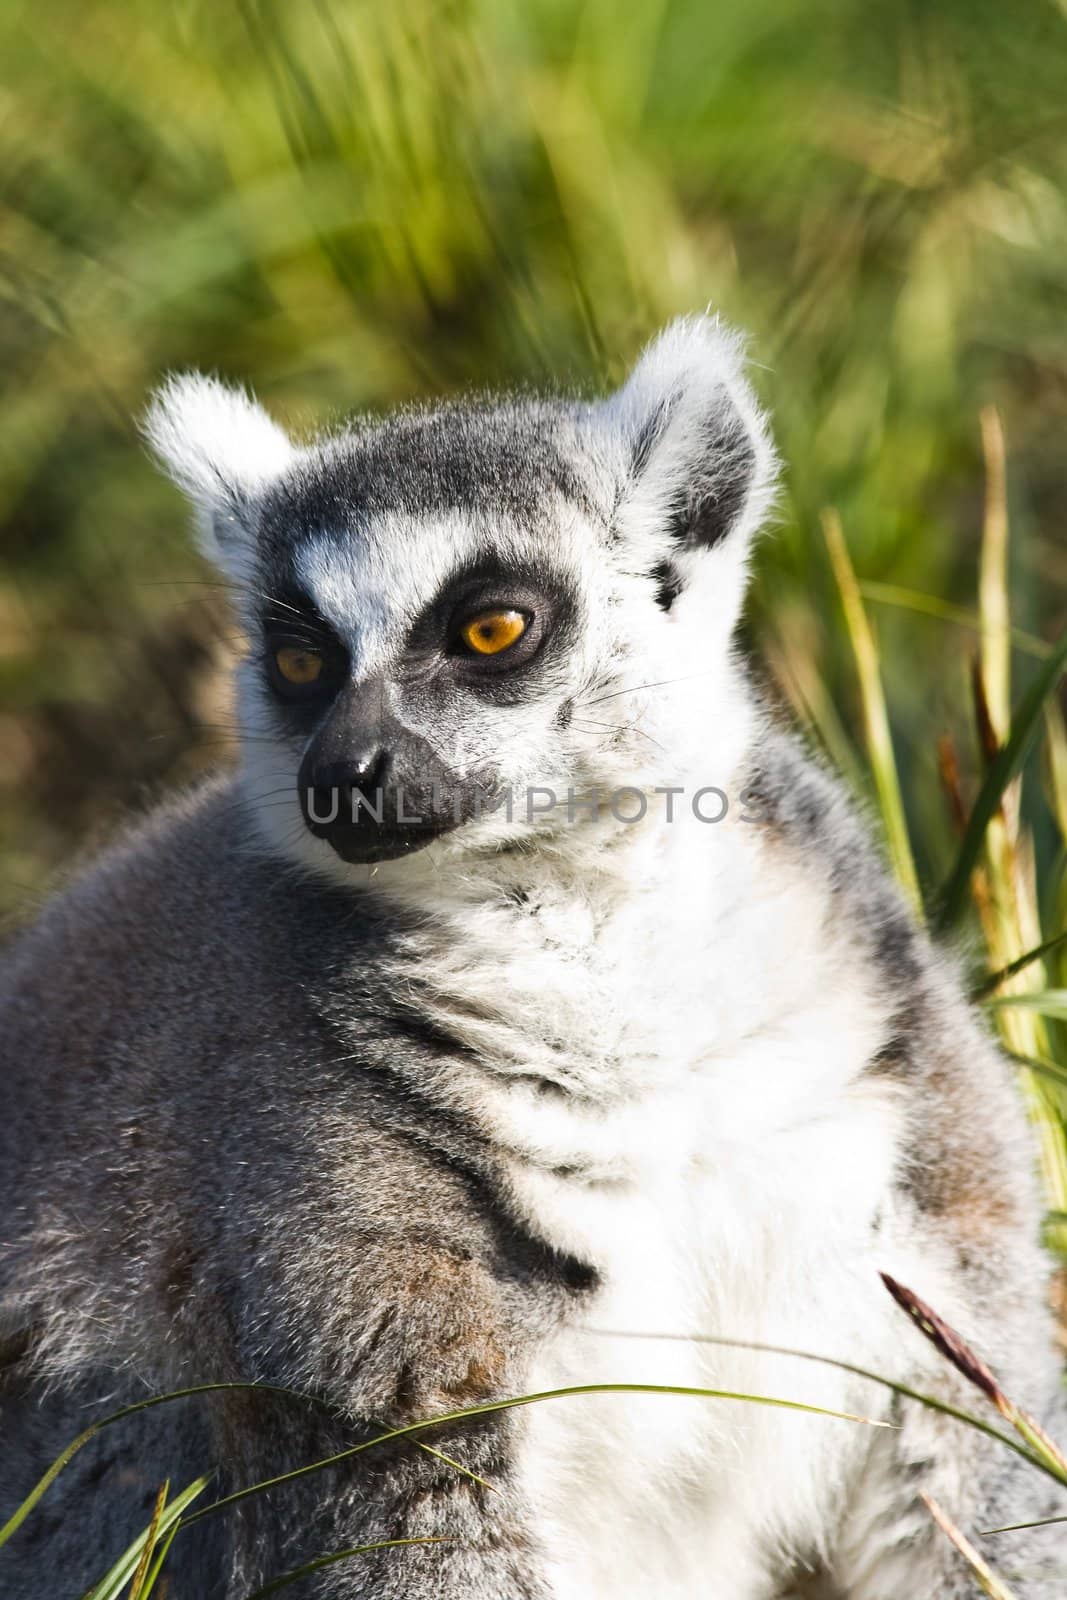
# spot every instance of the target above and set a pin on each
(223, 450)
(699, 459)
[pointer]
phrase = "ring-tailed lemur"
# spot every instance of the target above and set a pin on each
(288, 1096)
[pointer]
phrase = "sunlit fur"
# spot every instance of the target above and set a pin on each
(545, 1102)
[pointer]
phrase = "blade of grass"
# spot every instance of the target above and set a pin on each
(995, 979)
(931, 1402)
(1049, 1002)
(44, 1483)
(1005, 886)
(1054, 1074)
(987, 1579)
(140, 1576)
(466, 1471)
(928, 605)
(286, 1578)
(157, 1566)
(1017, 1527)
(111, 1585)
(953, 896)
(944, 1338)
(1057, 761)
(490, 1407)
(993, 604)
(815, 710)
(875, 714)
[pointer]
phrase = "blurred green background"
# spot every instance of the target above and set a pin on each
(349, 204)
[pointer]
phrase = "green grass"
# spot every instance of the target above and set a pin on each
(135, 1573)
(351, 204)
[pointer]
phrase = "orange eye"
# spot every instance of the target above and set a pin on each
(298, 666)
(493, 631)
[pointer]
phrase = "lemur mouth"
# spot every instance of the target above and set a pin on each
(373, 833)
(382, 823)
(377, 843)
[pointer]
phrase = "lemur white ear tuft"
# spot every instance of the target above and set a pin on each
(701, 465)
(223, 450)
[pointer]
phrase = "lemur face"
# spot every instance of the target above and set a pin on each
(456, 616)
(427, 600)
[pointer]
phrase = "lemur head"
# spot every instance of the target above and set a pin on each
(530, 599)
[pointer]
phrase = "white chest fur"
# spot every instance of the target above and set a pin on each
(672, 1076)
(649, 1495)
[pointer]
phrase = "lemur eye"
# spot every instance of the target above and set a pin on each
(298, 666)
(493, 631)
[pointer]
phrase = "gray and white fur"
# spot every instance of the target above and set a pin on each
(412, 1115)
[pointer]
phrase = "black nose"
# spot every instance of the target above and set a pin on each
(336, 794)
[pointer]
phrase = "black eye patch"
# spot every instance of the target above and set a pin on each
(289, 611)
(292, 624)
(487, 586)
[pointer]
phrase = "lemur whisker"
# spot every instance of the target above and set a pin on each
(268, 802)
(284, 605)
(234, 731)
(662, 683)
(184, 583)
(620, 727)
